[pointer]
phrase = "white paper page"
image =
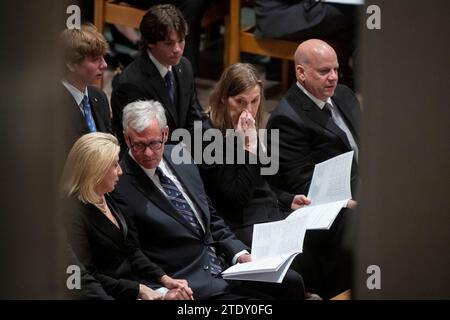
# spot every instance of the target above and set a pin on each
(318, 217)
(260, 276)
(355, 2)
(285, 268)
(276, 238)
(274, 276)
(331, 180)
(262, 265)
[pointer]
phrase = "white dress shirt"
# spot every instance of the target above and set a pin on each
(336, 115)
(76, 94)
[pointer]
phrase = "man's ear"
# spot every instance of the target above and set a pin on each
(300, 73)
(165, 134)
(127, 140)
(70, 66)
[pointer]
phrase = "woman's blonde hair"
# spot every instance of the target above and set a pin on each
(235, 79)
(87, 163)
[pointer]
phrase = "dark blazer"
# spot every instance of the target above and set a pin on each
(76, 123)
(301, 19)
(91, 288)
(165, 237)
(241, 195)
(110, 254)
(309, 136)
(141, 80)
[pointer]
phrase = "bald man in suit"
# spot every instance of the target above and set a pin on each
(317, 120)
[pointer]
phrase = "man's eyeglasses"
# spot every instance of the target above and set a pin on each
(140, 147)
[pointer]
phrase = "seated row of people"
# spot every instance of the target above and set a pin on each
(157, 220)
(192, 241)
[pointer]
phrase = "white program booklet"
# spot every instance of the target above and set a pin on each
(275, 244)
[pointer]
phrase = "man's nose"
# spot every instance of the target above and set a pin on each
(148, 152)
(333, 75)
(177, 47)
(103, 64)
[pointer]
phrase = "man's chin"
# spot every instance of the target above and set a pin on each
(329, 92)
(176, 61)
(151, 164)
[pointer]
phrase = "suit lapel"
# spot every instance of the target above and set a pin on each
(74, 114)
(116, 212)
(94, 101)
(159, 87)
(105, 226)
(298, 98)
(181, 79)
(349, 115)
(189, 188)
(146, 186)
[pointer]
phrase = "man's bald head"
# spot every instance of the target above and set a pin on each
(316, 68)
(311, 49)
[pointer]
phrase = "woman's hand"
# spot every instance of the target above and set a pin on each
(246, 127)
(171, 283)
(299, 201)
(179, 288)
(178, 294)
(146, 293)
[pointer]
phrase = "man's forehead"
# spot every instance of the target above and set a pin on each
(173, 36)
(326, 65)
(149, 133)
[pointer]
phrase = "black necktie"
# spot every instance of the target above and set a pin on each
(179, 202)
(341, 125)
(327, 107)
(170, 85)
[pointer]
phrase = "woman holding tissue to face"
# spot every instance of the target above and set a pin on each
(239, 192)
(243, 197)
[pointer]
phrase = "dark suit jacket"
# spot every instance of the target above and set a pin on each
(110, 254)
(76, 124)
(165, 237)
(300, 19)
(141, 80)
(241, 194)
(91, 288)
(309, 136)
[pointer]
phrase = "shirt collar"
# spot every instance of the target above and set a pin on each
(149, 172)
(316, 101)
(161, 68)
(76, 94)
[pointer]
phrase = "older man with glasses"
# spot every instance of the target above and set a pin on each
(176, 225)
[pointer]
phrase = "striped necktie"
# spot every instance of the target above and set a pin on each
(179, 202)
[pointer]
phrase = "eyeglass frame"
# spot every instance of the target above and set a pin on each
(146, 145)
(161, 142)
